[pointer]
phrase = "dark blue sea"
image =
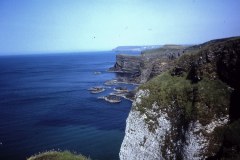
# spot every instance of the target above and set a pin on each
(45, 105)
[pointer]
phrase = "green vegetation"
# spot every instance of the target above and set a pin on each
(173, 46)
(54, 155)
(162, 50)
(196, 101)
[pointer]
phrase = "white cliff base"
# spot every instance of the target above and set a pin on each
(142, 143)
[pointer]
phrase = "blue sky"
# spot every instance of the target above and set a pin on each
(28, 26)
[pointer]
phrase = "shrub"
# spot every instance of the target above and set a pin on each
(54, 155)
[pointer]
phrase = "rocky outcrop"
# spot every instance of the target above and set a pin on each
(187, 111)
(127, 63)
(141, 68)
(127, 68)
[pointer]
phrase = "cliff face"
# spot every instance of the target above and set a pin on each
(190, 111)
(141, 68)
(128, 68)
(127, 63)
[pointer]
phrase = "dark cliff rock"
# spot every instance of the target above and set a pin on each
(127, 68)
(141, 68)
(127, 63)
(190, 111)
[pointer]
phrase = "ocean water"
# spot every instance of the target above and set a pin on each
(45, 105)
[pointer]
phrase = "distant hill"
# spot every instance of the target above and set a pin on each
(135, 48)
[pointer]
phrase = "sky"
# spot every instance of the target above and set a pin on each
(29, 26)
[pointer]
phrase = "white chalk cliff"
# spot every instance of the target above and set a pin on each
(142, 143)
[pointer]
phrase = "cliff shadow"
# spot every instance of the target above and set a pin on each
(234, 109)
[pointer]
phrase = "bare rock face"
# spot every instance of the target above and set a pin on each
(127, 63)
(127, 68)
(139, 142)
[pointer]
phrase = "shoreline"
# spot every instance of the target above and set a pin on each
(123, 96)
(108, 99)
(118, 82)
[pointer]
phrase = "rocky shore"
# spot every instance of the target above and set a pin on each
(95, 90)
(116, 91)
(111, 98)
(121, 89)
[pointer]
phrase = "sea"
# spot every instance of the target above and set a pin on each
(45, 105)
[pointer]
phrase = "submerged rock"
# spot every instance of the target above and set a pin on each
(95, 90)
(121, 89)
(97, 73)
(111, 82)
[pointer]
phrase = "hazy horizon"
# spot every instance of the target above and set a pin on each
(32, 26)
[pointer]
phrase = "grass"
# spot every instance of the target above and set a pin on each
(197, 101)
(54, 155)
(164, 49)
